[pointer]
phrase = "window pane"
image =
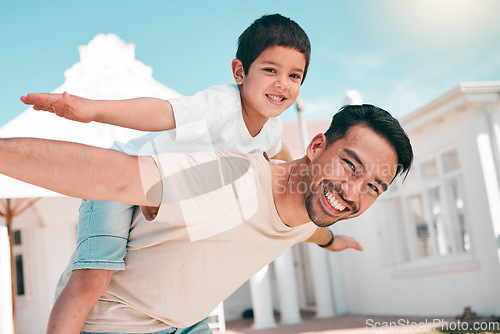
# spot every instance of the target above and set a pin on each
(429, 169)
(458, 202)
(394, 241)
(417, 215)
(17, 237)
(19, 275)
(450, 161)
(438, 221)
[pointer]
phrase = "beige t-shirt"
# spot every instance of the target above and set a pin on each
(216, 227)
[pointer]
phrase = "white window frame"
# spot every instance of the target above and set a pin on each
(456, 258)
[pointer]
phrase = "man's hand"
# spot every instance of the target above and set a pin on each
(342, 242)
(323, 236)
(64, 105)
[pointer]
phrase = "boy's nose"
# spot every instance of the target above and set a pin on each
(280, 84)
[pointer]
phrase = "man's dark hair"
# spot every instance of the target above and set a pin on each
(272, 30)
(381, 122)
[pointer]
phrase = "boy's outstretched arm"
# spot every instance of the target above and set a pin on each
(81, 171)
(143, 113)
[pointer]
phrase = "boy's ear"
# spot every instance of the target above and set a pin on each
(238, 71)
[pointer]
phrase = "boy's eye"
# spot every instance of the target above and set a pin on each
(295, 76)
(270, 70)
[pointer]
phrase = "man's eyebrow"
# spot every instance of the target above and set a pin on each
(355, 157)
(382, 184)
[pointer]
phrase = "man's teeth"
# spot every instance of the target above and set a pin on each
(275, 98)
(331, 199)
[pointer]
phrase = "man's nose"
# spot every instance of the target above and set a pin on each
(351, 189)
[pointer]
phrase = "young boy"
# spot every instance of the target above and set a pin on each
(271, 63)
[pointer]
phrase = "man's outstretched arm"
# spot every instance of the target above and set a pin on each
(79, 170)
(337, 243)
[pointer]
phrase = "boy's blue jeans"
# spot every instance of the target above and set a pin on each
(103, 229)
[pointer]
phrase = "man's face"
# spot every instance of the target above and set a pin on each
(346, 178)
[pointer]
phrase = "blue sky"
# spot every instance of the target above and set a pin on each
(400, 54)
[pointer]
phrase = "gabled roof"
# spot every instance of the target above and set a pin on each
(107, 70)
(464, 95)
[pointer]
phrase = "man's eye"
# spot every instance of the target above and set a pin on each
(374, 188)
(350, 165)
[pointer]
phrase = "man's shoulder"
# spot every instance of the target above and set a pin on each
(219, 158)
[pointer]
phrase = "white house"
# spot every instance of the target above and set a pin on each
(432, 243)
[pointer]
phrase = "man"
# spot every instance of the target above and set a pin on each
(216, 217)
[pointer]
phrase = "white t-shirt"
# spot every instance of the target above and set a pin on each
(216, 227)
(209, 119)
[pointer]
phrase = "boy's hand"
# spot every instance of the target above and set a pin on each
(65, 105)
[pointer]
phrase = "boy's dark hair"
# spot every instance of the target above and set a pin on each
(272, 30)
(378, 120)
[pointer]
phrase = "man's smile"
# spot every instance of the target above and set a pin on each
(332, 201)
(332, 197)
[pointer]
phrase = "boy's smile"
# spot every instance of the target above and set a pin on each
(271, 85)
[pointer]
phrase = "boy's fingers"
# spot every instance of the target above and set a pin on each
(40, 98)
(43, 108)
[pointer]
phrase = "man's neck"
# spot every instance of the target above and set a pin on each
(288, 199)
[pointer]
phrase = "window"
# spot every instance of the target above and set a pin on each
(18, 259)
(20, 253)
(432, 206)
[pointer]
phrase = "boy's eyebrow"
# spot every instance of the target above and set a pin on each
(270, 62)
(358, 160)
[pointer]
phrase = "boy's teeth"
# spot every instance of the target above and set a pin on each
(274, 98)
(331, 199)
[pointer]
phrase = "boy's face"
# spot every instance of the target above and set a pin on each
(273, 82)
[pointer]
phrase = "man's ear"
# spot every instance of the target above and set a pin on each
(238, 71)
(316, 146)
